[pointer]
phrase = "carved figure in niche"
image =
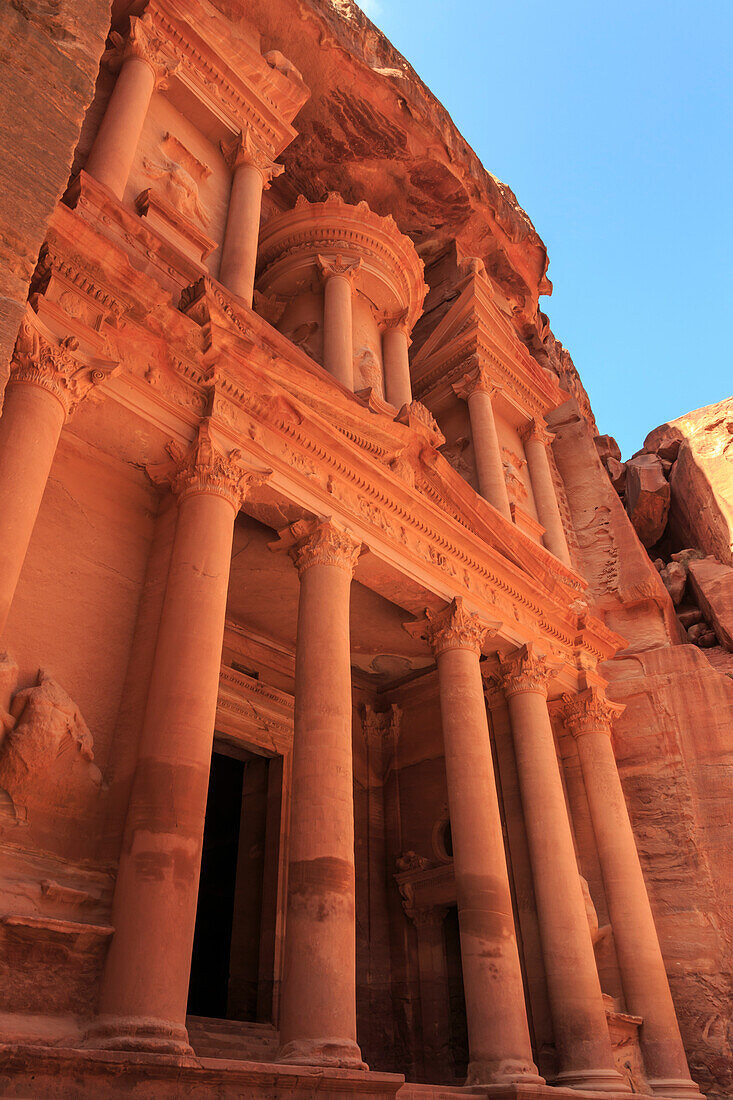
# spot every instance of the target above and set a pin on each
(454, 452)
(512, 472)
(179, 169)
(47, 769)
(369, 370)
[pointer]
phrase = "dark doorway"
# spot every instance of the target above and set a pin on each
(208, 988)
(225, 964)
(456, 996)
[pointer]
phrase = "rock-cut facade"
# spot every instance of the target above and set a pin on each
(366, 724)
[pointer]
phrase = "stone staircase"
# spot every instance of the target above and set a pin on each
(232, 1039)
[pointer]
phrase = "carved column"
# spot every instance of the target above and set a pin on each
(47, 382)
(589, 717)
(476, 388)
(338, 340)
(318, 1014)
(252, 172)
(396, 358)
(536, 441)
(578, 1014)
(498, 1035)
(145, 983)
(143, 65)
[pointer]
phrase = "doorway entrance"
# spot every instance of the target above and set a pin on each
(232, 961)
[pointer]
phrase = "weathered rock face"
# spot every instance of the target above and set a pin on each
(49, 59)
(700, 446)
(712, 584)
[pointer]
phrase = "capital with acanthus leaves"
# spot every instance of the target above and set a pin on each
(244, 149)
(455, 627)
(205, 467)
(40, 360)
(319, 542)
(525, 670)
(338, 265)
(589, 712)
(476, 379)
(535, 430)
(144, 43)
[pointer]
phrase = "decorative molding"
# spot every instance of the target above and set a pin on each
(40, 360)
(383, 726)
(453, 628)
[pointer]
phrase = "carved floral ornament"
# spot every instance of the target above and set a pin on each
(589, 712)
(144, 43)
(203, 467)
(338, 265)
(245, 150)
(453, 628)
(41, 361)
(525, 670)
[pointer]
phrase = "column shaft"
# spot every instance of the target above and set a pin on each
(338, 350)
(643, 973)
(578, 1014)
(545, 498)
(489, 466)
(30, 426)
(119, 132)
(318, 1013)
(239, 251)
(498, 1034)
(145, 985)
(396, 360)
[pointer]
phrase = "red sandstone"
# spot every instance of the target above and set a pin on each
(345, 720)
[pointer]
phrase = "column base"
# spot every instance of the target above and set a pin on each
(140, 1033)
(509, 1071)
(336, 1053)
(682, 1087)
(593, 1080)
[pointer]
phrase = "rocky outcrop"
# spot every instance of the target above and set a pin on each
(712, 584)
(49, 57)
(647, 497)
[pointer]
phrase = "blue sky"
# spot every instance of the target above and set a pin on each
(612, 125)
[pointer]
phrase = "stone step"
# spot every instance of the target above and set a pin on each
(238, 1039)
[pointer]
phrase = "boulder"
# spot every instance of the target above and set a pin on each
(701, 635)
(647, 497)
(674, 577)
(607, 447)
(712, 584)
(617, 473)
(664, 441)
(689, 617)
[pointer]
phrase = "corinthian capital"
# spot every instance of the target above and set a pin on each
(397, 322)
(535, 429)
(203, 467)
(310, 542)
(145, 43)
(589, 712)
(329, 266)
(40, 360)
(244, 149)
(476, 379)
(525, 670)
(453, 628)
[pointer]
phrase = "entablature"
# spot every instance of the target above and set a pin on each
(429, 536)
